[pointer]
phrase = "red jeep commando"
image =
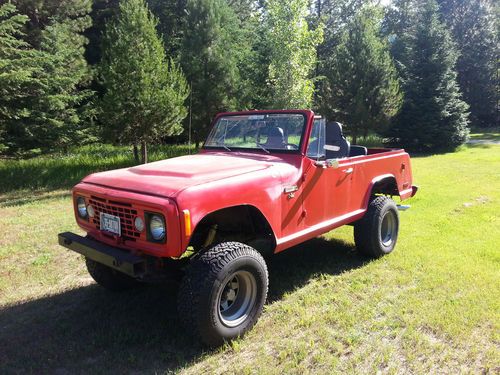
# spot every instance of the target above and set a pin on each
(264, 181)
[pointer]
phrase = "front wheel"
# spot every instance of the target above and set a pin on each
(223, 292)
(376, 233)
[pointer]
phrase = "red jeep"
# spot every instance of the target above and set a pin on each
(264, 181)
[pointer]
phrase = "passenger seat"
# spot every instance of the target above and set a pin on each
(336, 146)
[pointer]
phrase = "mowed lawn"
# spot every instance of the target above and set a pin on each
(432, 306)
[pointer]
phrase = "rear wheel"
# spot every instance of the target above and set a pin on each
(376, 233)
(109, 278)
(223, 292)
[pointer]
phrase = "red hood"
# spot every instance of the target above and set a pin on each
(167, 177)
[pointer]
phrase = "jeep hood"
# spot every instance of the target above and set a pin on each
(168, 177)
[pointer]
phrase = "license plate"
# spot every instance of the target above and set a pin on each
(110, 223)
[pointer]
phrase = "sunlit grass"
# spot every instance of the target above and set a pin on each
(62, 170)
(432, 306)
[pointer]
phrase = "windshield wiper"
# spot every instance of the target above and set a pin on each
(262, 147)
(227, 148)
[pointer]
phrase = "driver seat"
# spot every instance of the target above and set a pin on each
(336, 145)
(275, 138)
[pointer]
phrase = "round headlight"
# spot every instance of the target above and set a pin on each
(90, 210)
(157, 228)
(139, 224)
(82, 208)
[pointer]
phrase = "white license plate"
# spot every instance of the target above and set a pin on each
(110, 223)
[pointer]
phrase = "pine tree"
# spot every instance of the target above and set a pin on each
(362, 87)
(19, 65)
(472, 24)
(433, 116)
(42, 96)
(292, 46)
(144, 90)
(210, 58)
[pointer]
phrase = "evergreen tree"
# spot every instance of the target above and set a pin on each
(472, 23)
(433, 116)
(102, 11)
(210, 58)
(144, 91)
(50, 106)
(19, 66)
(362, 87)
(171, 16)
(292, 47)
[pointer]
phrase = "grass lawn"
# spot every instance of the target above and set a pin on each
(433, 306)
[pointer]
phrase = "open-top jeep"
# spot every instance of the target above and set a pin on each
(264, 181)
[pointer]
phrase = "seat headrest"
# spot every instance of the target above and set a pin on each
(333, 130)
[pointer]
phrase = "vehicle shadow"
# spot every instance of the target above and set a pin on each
(89, 329)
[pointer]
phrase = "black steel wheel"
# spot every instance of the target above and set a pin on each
(376, 233)
(223, 292)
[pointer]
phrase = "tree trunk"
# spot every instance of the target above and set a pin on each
(136, 154)
(365, 133)
(354, 138)
(144, 152)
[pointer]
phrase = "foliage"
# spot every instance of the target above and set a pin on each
(362, 87)
(210, 55)
(171, 22)
(144, 91)
(292, 47)
(433, 116)
(48, 106)
(19, 64)
(472, 25)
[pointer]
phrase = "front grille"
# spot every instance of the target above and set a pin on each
(121, 209)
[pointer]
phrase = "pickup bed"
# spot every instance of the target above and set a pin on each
(264, 181)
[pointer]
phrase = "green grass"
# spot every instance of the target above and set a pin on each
(432, 306)
(63, 170)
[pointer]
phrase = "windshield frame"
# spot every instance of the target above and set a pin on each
(306, 115)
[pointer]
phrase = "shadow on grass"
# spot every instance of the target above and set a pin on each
(91, 330)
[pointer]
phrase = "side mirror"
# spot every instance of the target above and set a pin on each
(330, 163)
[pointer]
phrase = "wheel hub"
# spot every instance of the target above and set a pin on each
(387, 229)
(237, 298)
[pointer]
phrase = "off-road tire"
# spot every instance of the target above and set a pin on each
(206, 280)
(371, 233)
(109, 278)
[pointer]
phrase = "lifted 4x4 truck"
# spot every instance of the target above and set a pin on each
(264, 181)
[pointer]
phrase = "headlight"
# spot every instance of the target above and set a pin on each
(90, 211)
(81, 207)
(157, 227)
(139, 224)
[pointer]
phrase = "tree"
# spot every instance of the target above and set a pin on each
(362, 86)
(144, 90)
(171, 22)
(433, 116)
(48, 109)
(210, 57)
(293, 53)
(19, 65)
(472, 24)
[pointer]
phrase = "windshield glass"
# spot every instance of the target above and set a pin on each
(267, 132)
